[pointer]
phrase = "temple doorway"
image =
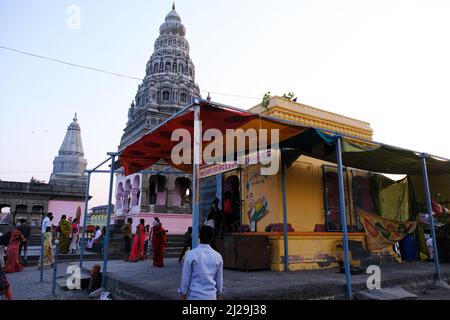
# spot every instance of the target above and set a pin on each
(231, 203)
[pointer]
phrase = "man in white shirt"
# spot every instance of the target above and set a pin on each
(47, 222)
(98, 233)
(202, 277)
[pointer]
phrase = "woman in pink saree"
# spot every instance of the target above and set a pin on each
(13, 262)
(137, 250)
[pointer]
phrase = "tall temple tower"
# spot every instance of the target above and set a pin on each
(168, 86)
(169, 83)
(69, 164)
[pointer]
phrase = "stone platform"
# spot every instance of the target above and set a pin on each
(142, 281)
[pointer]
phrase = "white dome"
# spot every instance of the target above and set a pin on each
(172, 24)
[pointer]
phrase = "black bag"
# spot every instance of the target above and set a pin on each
(4, 239)
(3, 281)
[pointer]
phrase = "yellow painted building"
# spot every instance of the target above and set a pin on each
(305, 193)
(98, 216)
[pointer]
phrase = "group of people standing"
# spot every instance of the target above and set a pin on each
(137, 248)
(226, 220)
(16, 242)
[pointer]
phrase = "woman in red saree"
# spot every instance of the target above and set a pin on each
(137, 250)
(13, 262)
(158, 243)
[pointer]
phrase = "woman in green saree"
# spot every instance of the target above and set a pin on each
(64, 232)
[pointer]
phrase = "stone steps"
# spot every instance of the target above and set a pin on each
(34, 240)
(360, 258)
(34, 260)
(173, 249)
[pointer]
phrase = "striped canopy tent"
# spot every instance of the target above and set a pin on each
(361, 154)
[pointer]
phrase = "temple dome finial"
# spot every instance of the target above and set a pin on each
(75, 118)
(172, 24)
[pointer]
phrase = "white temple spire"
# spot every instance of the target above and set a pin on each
(69, 164)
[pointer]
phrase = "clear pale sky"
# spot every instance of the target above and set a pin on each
(386, 62)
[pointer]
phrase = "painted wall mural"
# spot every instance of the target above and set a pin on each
(257, 203)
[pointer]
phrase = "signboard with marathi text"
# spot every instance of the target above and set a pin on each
(211, 170)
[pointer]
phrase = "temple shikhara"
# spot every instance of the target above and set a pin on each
(63, 195)
(168, 86)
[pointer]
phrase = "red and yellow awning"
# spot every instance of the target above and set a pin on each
(157, 144)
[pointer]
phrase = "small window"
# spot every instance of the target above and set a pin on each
(183, 97)
(166, 95)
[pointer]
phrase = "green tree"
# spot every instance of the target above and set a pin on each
(266, 100)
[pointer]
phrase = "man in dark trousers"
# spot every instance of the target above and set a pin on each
(25, 230)
(202, 275)
(127, 237)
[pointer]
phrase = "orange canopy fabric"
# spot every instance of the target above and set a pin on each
(157, 144)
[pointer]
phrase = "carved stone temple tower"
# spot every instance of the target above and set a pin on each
(168, 86)
(169, 83)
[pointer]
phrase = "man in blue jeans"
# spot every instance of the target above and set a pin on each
(202, 277)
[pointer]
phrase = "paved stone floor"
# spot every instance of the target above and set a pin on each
(162, 283)
(26, 285)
